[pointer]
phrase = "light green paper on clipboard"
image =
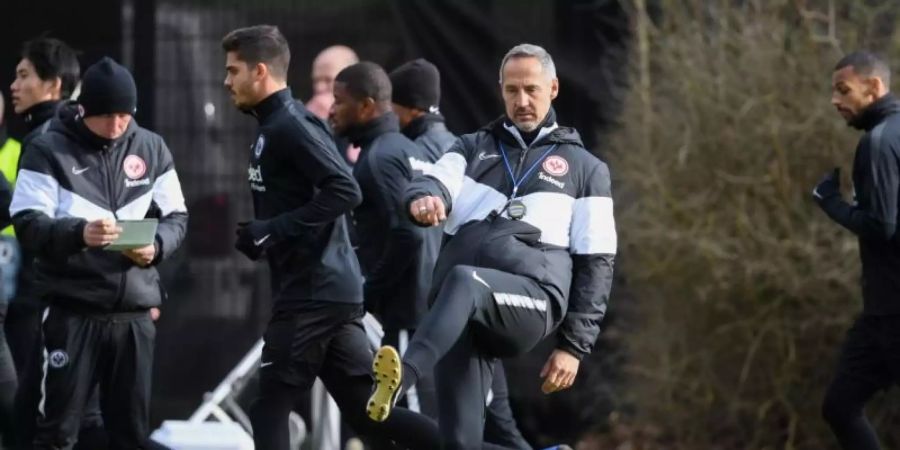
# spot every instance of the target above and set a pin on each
(135, 234)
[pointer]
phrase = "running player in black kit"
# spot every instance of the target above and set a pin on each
(301, 191)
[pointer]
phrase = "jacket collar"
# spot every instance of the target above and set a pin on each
(272, 103)
(875, 113)
(503, 130)
(363, 134)
(549, 131)
(525, 139)
(40, 113)
(422, 124)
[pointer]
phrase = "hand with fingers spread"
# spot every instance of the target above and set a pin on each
(101, 232)
(428, 211)
(559, 371)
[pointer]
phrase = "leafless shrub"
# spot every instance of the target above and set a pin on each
(743, 287)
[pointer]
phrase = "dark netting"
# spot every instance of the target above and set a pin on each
(217, 300)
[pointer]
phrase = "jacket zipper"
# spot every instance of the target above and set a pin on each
(521, 163)
(513, 194)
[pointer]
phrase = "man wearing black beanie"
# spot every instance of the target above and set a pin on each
(416, 97)
(108, 88)
(93, 169)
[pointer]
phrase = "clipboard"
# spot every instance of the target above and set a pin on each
(135, 234)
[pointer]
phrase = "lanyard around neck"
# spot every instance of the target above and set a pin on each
(516, 183)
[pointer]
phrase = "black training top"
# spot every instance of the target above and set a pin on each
(302, 189)
(876, 181)
(397, 256)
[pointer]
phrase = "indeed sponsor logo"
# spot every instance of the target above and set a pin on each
(254, 175)
(551, 180)
(136, 183)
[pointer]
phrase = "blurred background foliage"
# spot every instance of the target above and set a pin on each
(740, 290)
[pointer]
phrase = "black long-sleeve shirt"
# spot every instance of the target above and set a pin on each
(301, 190)
(874, 217)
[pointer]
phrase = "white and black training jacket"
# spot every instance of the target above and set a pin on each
(567, 238)
(71, 176)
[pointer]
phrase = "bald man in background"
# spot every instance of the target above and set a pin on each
(325, 67)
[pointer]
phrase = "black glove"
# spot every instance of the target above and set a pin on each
(253, 238)
(829, 187)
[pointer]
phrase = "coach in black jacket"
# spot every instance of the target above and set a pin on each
(530, 249)
(416, 95)
(92, 167)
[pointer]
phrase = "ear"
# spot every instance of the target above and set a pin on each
(56, 86)
(877, 87)
(367, 108)
(260, 71)
(554, 88)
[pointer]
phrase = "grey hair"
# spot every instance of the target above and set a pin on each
(533, 51)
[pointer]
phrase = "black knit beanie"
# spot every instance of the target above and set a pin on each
(417, 84)
(107, 88)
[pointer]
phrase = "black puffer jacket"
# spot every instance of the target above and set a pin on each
(567, 239)
(70, 176)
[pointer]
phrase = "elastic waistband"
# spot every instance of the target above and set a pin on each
(109, 316)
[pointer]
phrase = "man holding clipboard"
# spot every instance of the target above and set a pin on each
(82, 203)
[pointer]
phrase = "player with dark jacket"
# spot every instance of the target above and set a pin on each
(868, 362)
(301, 191)
(396, 255)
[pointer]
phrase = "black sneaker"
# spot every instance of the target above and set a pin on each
(388, 371)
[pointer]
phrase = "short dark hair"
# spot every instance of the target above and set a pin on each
(53, 58)
(366, 79)
(866, 64)
(260, 44)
